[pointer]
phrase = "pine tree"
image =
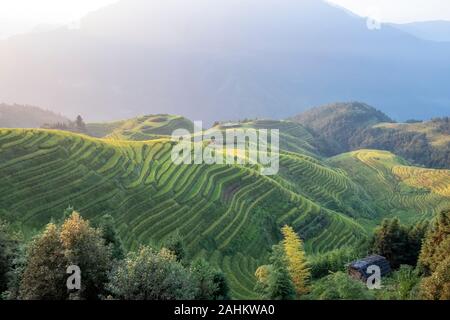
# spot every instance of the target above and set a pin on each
(80, 125)
(203, 275)
(436, 247)
(437, 286)
(223, 289)
(8, 248)
(111, 236)
(175, 244)
(391, 241)
(296, 261)
(280, 285)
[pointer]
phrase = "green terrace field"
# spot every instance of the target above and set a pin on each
(396, 188)
(229, 214)
(142, 128)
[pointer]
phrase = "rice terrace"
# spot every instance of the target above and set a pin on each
(225, 158)
(228, 214)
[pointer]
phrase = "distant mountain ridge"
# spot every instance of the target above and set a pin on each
(338, 123)
(428, 30)
(231, 60)
(19, 116)
(352, 126)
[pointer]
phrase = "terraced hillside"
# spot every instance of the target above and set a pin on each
(395, 187)
(229, 214)
(293, 136)
(141, 128)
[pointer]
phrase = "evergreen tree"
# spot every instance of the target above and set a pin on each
(211, 284)
(203, 275)
(223, 289)
(8, 247)
(436, 246)
(437, 286)
(398, 243)
(296, 261)
(79, 124)
(280, 286)
(111, 236)
(45, 272)
(416, 235)
(175, 244)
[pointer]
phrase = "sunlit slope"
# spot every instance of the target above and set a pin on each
(141, 128)
(395, 187)
(324, 184)
(229, 214)
(293, 136)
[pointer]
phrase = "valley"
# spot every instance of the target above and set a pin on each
(228, 214)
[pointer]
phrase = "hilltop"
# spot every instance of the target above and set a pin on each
(338, 123)
(20, 116)
(347, 127)
(140, 128)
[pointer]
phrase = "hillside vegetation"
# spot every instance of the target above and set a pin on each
(141, 128)
(396, 188)
(228, 214)
(231, 215)
(352, 126)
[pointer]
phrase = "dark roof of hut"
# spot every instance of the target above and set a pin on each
(363, 264)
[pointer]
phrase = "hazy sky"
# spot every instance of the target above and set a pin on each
(400, 11)
(18, 16)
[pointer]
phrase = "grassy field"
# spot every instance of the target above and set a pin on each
(229, 214)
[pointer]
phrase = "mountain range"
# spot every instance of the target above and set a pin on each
(428, 30)
(236, 59)
(18, 116)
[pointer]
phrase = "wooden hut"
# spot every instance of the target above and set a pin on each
(358, 269)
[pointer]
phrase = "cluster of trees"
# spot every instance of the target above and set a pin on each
(420, 255)
(74, 126)
(38, 270)
(288, 275)
(442, 124)
(398, 243)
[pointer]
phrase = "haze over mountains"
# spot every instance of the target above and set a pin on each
(428, 30)
(232, 60)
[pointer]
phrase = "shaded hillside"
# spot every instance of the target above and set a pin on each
(19, 116)
(351, 126)
(337, 124)
(427, 30)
